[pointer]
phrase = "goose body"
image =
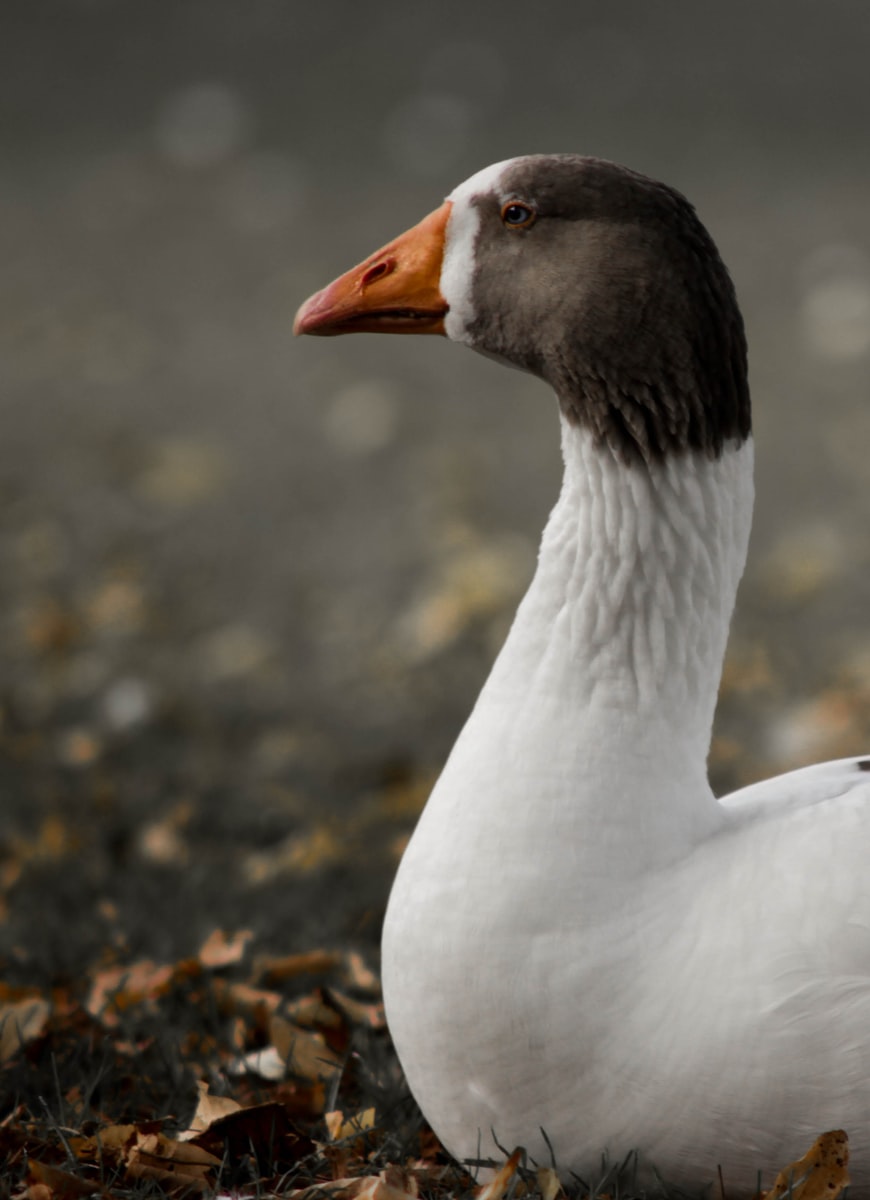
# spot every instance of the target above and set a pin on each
(581, 939)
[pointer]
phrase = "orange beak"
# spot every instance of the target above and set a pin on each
(396, 290)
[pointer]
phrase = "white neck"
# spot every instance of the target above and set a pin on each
(599, 708)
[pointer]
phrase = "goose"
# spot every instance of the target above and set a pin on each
(585, 952)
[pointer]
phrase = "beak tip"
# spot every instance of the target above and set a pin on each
(305, 320)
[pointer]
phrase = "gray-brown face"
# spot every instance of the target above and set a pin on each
(600, 281)
(605, 284)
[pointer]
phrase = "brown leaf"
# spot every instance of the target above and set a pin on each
(298, 854)
(162, 841)
(340, 1127)
(55, 840)
(208, 1110)
(379, 1187)
(822, 1172)
(118, 988)
(112, 1142)
(49, 628)
(501, 1180)
(155, 1156)
(391, 1184)
(359, 975)
(301, 1101)
(57, 1184)
(223, 949)
(314, 1011)
(401, 1179)
(304, 1051)
(263, 1126)
(255, 1003)
(37, 1191)
(356, 1012)
(21, 1021)
(273, 970)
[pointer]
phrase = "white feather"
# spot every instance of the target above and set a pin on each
(580, 937)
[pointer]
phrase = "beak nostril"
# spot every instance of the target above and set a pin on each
(377, 271)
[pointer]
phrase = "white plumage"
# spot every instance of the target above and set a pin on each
(581, 939)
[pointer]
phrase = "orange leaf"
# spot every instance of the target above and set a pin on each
(340, 1127)
(119, 988)
(501, 1180)
(314, 962)
(822, 1172)
(222, 949)
(242, 998)
(359, 975)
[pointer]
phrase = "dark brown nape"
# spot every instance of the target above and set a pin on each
(617, 296)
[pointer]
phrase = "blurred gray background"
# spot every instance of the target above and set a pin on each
(250, 586)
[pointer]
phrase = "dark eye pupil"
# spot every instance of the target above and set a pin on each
(516, 214)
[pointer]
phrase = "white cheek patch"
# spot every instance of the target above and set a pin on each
(457, 268)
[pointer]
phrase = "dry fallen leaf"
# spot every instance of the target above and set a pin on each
(379, 1187)
(260, 1125)
(301, 853)
(549, 1183)
(111, 1141)
(356, 1012)
(361, 976)
(279, 1136)
(391, 1184)
(155, 1156)
(272, 971)
(162, 841)
(21, 1020)
(822, 1172)
(54, 841)
(224, 949)
(340, 1127)
(501, 1180)
(38, 1191)
(314, 1012)
(208, 1110)
(240, 998)
(304, 1051)
(118, 988)
(54, 1184)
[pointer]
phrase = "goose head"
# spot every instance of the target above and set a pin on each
(596, 279)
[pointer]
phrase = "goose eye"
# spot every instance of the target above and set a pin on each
(517, 216)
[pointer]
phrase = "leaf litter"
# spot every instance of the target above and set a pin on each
(232, 1075)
